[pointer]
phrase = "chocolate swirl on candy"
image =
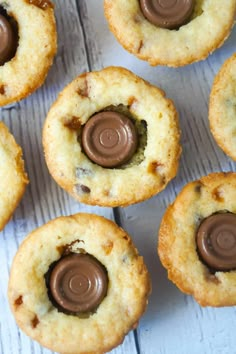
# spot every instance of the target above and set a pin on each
(216, 241)
(109, 139)
(169, 14)
(78, 283)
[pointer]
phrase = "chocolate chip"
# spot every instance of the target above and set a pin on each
(84, 90)
(73, 123)
(155, 167)
(140, 46)
(19, 301)
(82, 189)
(66, 249)
(35, 321)
(198, 188)
(144, 123)
(2, 90)
(163, 180)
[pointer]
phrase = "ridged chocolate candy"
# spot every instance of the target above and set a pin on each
(216, 241)
(167, 13)
(78, 283)
(8, 40)
(109, 139)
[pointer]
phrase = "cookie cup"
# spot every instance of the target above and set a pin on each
(118, 313)
(37, 45)
(155, 162)
(209, 27)
(177, 239)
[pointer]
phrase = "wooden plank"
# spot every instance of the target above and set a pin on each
(43, 200)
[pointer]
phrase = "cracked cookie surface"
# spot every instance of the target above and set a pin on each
(153, 165)
(215, 193)
(208, 28)
(118, 313)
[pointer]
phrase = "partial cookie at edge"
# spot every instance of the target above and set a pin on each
(209, 27)
(222, 107)
(13, 178)
(27, 70)
(177, 246)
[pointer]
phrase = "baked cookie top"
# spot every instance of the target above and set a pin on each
(222, 107)
(119, 311)
(154, 117)
(13, 178)
(185, 222)
(207, 29)
(34, 24)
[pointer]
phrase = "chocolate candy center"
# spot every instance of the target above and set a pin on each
(167, 13)
(109, 139)
(216, 241)
(78, 283)
(8, 41)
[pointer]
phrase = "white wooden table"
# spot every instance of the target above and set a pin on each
(174, 323)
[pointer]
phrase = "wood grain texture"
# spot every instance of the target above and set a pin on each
(173, 323)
